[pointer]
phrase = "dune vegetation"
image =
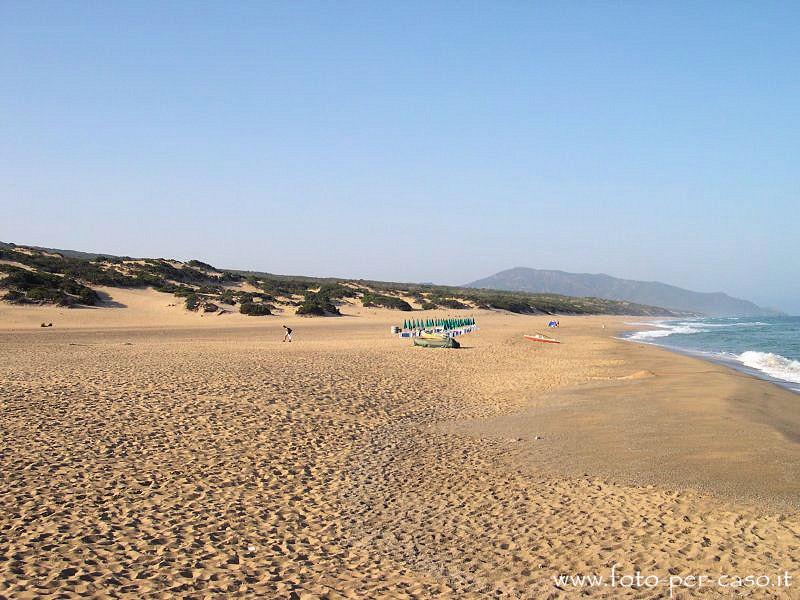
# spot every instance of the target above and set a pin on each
(40, 276)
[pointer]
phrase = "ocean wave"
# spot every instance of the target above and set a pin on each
(746, 324)
(665, 330)
(773, 365)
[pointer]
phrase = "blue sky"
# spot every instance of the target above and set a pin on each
(412, 141)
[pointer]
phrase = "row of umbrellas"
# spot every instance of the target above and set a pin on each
(453, 323)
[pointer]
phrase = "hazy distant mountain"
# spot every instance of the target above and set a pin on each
(522, 279)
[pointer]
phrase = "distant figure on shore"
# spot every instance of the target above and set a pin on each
(287, 337)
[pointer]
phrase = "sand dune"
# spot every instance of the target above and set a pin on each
(170, 455)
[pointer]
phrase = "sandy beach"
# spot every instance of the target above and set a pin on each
(152, 453)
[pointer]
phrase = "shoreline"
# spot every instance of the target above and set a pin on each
(716, 359)
(729, 364)
(675, 420)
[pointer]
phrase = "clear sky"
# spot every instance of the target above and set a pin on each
(411, 141)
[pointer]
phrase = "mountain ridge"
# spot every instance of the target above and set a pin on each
(601, 285)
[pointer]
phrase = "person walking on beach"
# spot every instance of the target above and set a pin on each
(287, 337)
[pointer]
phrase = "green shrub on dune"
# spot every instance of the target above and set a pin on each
(282, 287)
(254, 309)
(14, 296)
(228, 297)
(320, 303)
(370, 300)
(335, 291)
(450, 303)
(201, 265)
(32, 287)
(317, 306)
(192, 302)
(88, 296)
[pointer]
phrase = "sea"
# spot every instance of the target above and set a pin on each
(766, 347)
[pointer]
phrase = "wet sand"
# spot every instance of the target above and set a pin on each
(165, 459)
(672, 420)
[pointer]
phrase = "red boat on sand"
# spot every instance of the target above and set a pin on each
(540, 337)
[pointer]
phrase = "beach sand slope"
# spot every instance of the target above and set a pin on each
(195, 460)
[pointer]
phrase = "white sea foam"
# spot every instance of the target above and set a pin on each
(773, 365)
(743, 324)
(665, 329)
